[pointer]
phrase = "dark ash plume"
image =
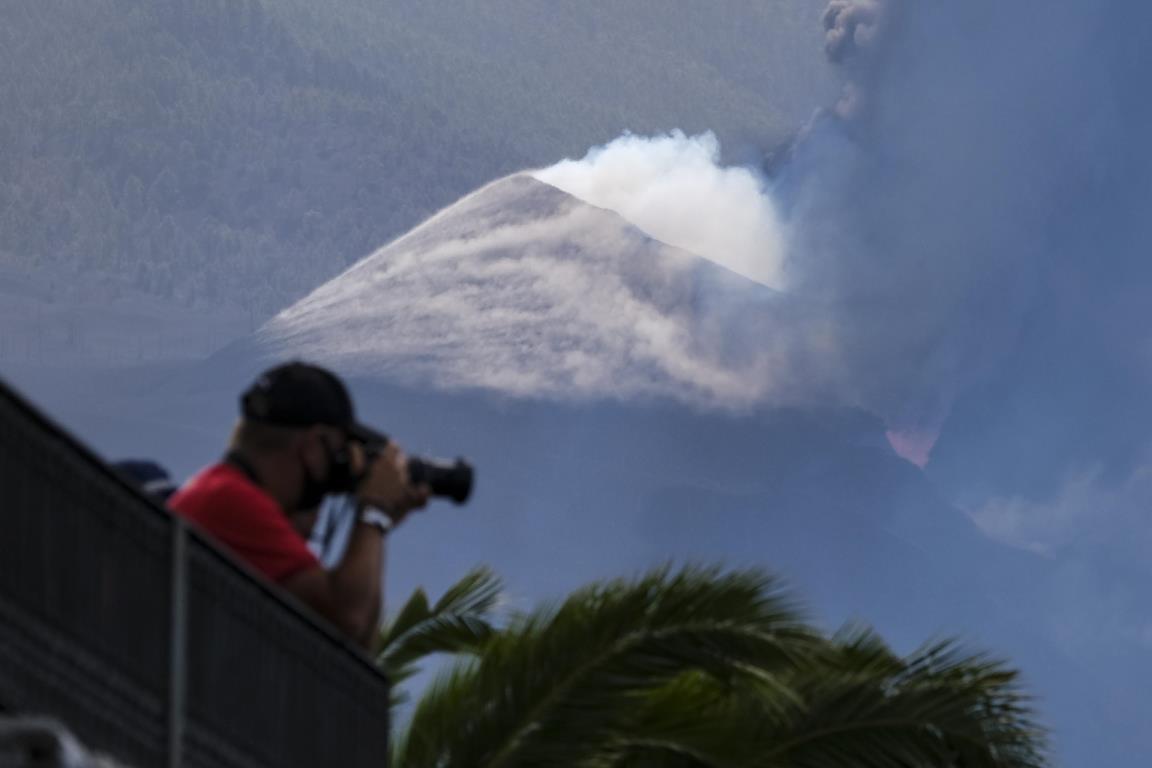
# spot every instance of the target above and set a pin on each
(852, 28)
(854, 38)
(975, 217)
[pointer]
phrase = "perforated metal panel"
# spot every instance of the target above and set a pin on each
(83, 593)
(236, 634)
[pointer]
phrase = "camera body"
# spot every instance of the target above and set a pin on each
(449, 480)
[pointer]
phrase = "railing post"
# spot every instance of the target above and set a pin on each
(178, 644)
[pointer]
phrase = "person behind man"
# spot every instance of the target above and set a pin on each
(150, 478)
(296, 442)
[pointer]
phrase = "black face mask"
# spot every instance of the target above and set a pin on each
(312, 493)
(341, 479)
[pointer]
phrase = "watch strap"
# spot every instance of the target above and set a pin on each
(377, 518)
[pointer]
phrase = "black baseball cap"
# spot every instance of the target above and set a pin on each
(302, 395)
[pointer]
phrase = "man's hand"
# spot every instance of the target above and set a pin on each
(386, 485)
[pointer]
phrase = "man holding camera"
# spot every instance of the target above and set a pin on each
(296, 442)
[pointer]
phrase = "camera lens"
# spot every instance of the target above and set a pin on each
(452, 481)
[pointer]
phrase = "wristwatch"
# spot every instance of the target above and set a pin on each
(377, 518)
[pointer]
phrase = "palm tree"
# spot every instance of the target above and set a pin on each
(696, 668)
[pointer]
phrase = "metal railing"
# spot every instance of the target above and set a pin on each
(148, 641)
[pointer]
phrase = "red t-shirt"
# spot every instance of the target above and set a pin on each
(243, 517)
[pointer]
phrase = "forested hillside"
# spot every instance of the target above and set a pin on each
(560, 75)
(225, 153)
(196, 150)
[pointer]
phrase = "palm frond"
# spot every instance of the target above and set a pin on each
(414, 611)
(557, 681)
(864, 706)
(477, 593)
(854, 706)
(459, 623)
(704, 668)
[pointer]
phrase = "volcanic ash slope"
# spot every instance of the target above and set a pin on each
(527, 291)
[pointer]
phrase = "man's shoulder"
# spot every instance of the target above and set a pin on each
(225, 503)
(218, 487)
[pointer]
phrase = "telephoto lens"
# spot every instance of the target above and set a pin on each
(452, 481)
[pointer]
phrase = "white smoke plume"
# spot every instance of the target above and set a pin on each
(674, 188)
